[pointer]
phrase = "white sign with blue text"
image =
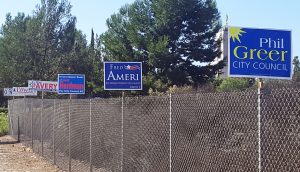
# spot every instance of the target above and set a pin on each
(123, 76)
(23, 91)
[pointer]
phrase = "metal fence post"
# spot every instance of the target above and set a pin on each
(19, 127)
(70, 133)
(122, 132)
(42, 109)
(259, 122)
(31, 125)
(53, 132)
(170, 118)
(10, 113)
(23, 118)
(91, 166)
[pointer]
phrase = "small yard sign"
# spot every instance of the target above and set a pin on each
(46, 86)
(71, 84)
(23, 91)
(123, 76)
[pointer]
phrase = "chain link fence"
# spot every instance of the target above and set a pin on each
(178, 132)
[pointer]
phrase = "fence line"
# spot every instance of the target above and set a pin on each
(236, 131)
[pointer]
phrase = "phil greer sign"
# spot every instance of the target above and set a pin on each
(259, 53)
(122, 75)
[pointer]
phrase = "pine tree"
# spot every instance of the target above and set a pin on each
(92, 43)
(296, 71)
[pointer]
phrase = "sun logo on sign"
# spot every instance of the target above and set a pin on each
(235, 33)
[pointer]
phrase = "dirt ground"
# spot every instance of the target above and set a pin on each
(15, 157)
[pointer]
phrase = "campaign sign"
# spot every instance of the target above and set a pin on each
(8, 92)
(46, 86)
(23, 91)
(123, 76)
(71, 84)
(259, 53)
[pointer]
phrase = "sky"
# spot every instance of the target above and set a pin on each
(275, 14)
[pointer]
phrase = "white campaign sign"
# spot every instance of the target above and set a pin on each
(46, 86)
(8, 92)
(23, 91)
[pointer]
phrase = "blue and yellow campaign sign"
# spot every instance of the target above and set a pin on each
(259, 53)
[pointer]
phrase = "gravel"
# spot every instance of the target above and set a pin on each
(15, 157)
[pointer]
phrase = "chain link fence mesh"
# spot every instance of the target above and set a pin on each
(213, 132)
(61, 135)
(106, 135)
(281, 130)
(178, 133)
(146, 134)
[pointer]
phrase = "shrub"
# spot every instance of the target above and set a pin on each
(3, 123)
(233, 84)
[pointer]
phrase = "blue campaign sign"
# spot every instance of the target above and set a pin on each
(71, 84)
(259, 53)
(123, 76)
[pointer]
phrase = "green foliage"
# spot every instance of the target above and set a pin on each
(3, 110)
(173, 89)
(296, 74)
(232, 84)
(95, 82)
(36, 45)
(216, 82)
(13, 54)
(184, 89)
(3, 123)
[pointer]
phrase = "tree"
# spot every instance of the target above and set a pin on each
(296, 71)
(14, 67)
(34, 47)
(95, 84)
(53, 31)
(175, 40)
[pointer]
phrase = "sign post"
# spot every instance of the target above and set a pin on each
(71, 84)
(43, 86)
(122, 76)
(259, 53)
